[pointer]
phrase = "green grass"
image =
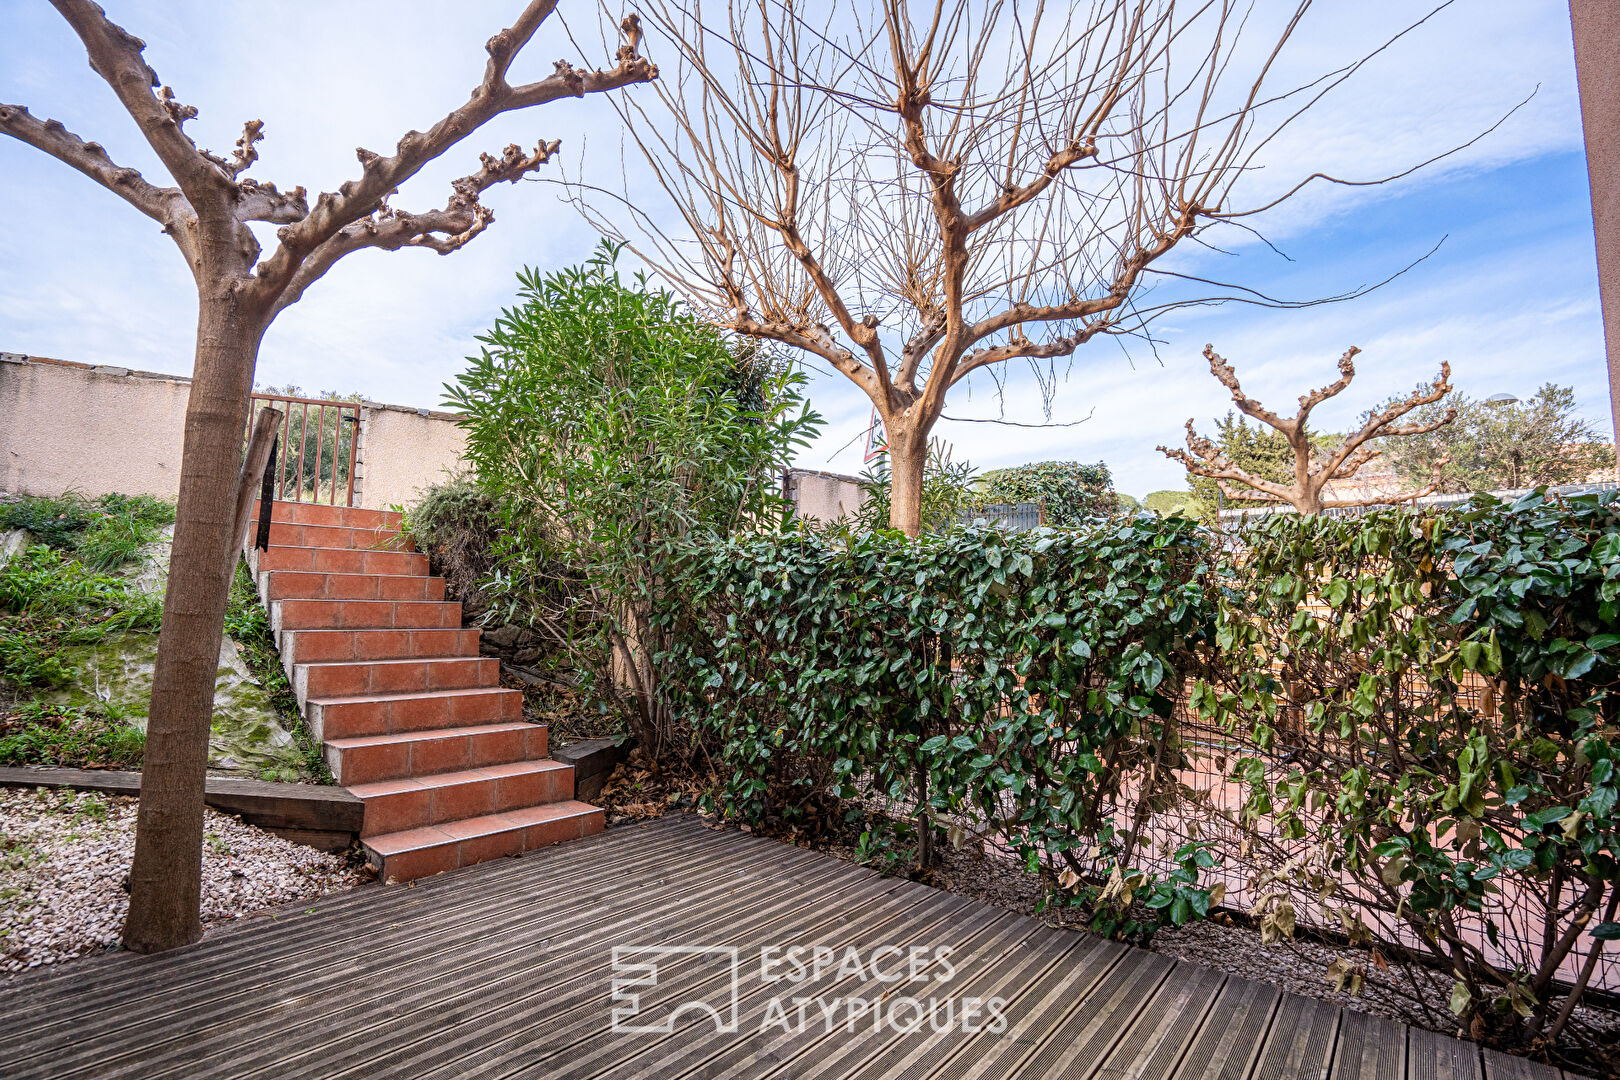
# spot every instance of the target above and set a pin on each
(102, 534)
(38, 733)
(248, 624)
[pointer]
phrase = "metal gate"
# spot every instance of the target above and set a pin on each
(315, 449)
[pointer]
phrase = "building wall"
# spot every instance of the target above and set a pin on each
(823, 496)
(67, 427)
(403, 451)
(92, 430)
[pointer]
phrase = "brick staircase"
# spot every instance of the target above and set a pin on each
(411, 718)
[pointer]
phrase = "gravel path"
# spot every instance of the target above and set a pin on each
(64, 857)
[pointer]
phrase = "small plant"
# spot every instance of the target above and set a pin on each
(38, 733)
(249, 626)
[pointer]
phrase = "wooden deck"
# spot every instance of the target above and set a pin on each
(507, 969)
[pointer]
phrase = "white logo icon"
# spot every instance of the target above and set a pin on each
(636, 970)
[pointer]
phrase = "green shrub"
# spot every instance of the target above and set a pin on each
(1022, 682)
(1068, 492)
(1424, 709)
(608, 421)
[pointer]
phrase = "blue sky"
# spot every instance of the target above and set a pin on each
(1510, 299)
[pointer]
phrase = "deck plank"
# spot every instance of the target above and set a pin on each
(506, 970)
(1435, 1057)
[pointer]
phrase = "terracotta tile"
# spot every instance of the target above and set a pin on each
(550, 832)
(536, 743)
(352, 587)
(525, 789)
(442, 754)
(399, 677)
(369, 763)
(421, 863)
(385, 787)
(498, 845)
(420, 713)
(348, 719)
(461, 675)
(381, 644)
(400, 587)
(502, 744)
(401, 810)
(335, 680)
(363, 614)
(338, 560)
(457, 802)
(314, 646)
(471, 707)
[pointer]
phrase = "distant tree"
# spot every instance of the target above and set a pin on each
(1540, 441)
(1068, 492)
(210, 213)
(1345, 455)
(1254, 448)
(1168, 503)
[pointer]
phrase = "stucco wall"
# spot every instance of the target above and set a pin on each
(402, 451)
(823, 496)
(94, 430)
(71, 427)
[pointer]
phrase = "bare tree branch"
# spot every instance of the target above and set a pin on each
(1312, 473)
(918, 192)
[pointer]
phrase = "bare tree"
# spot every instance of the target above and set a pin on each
(1312, 470)
(912, 199)
(208, 213)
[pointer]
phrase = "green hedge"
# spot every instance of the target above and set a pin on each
(1020, 679)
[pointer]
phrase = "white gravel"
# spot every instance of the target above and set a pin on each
(64, 858)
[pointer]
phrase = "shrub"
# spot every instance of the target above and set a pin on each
(1424, 710)
(1068, 492)
(608, 422)
(1019, 682)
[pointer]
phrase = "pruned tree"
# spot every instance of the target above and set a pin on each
(1312, 469)
(913, 197)
(208, 213)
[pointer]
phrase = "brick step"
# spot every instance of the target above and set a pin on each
(336, 560)
(364, 615)
(433, 849)
(354, 678)
(396, 805)
(320, 585)
(290, 534)
(323, 646)
(393, 714)
(366, 759)
(353, 517)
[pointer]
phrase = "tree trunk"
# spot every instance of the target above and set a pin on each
(165, 882)
(908, 453)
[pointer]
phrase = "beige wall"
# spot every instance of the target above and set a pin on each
(94, 430)
(402, 451)
(823, 496)
(70, 427)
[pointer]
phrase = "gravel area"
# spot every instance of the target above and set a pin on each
(64, 857)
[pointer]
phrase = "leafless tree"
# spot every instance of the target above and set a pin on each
(208, 213)
(1312, 470)
(914, 192)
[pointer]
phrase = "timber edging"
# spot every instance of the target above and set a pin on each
(317, 815)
